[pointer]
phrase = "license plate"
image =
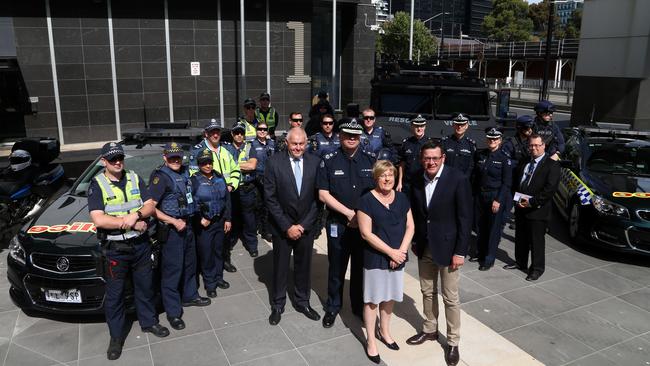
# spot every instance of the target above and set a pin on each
(68, 296)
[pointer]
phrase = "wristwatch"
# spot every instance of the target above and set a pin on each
(139, 214)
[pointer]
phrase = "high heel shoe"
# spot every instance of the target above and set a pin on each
(392, 346)
(376, 359)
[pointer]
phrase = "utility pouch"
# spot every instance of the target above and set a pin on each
(155, 252)
(162, 232)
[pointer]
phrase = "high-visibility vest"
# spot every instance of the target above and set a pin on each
(222, 161)
(115, 203)
(269, 119)
(251, 131)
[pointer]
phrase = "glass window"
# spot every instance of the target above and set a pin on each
(620, 159)
(472, 103)
(407, 103)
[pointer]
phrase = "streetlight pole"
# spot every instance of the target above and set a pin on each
(411, 31)
(547, 52)
(429, 19)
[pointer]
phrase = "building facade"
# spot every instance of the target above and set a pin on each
(564, 10)
(84, 70)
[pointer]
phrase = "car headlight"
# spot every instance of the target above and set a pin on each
(16, 250)
(609, 208)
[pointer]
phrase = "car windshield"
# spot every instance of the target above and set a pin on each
(141, 161)
(451, 101)
(420, 103)
(619, 159)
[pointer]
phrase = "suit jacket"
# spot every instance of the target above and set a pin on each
(281, 197)
(444, 226)
(542, 187)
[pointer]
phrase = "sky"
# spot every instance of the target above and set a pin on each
(533, 1)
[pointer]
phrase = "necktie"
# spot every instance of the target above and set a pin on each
(529, 173)
(297, 174)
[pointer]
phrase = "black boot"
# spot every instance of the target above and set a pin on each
(227, 264)
(114, 348)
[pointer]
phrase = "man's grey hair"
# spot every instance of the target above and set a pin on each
(296, 131)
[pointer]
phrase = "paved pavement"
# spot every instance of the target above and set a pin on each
(588, 309)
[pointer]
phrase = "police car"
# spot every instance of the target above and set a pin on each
(54, 262)
(604, 192)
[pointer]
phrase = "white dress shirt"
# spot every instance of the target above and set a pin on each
(537, 161)
(430, 184)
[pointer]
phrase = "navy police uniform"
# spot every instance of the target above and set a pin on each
(492, 180)
(243, 202)
(378, 142)
(213, 201)
(409, 155)
(346, 178)
(549, 131)
(263, 150)
(459, 153)
(172, 191)
(322, 145)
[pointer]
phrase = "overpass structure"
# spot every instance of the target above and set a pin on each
(563, 51)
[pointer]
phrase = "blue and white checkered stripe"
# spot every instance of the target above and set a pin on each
(583, 192)
(584, 195)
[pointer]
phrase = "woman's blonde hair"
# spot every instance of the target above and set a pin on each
(381, 166)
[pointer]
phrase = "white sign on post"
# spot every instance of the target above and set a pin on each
(195, 68)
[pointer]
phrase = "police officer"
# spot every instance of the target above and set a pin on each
(326, 140)
(550, 132)
(459, 149)
(248, 120)
(343, 177)
(295, 120)
(119, 205)
(223, 162)
(264, 147)
(374, 138)
(171, 192)
(409, 154)
(516, 147)
(492, 178)
(267, 114)
(244, 198)
(212, 221)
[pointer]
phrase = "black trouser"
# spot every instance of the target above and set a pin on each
(530, 237)
(345, 245)
(261, 212)
(302, 253)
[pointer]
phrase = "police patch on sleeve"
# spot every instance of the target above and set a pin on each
(155, 180)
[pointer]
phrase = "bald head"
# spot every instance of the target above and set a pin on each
(296, 142)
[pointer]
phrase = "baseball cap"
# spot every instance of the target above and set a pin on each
(204, 156)
(173, 150)
(265, 95)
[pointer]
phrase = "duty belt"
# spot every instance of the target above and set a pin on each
(122, 237)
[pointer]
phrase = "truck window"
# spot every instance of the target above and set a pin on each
(407, 103)
(451, 101)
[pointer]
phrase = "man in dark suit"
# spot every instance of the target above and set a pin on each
(536, 182)
(441, 202)
(291, 197)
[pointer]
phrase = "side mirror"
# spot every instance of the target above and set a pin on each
(70, 181)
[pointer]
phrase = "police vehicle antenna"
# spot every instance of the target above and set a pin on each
(144, 112)
(593, 111)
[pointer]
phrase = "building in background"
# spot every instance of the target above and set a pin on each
(564, 10)
(84, 70)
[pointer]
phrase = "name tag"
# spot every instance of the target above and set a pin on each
(497, 162)
(339, 172)
(188, 196)
(334, 231)
(135, 191)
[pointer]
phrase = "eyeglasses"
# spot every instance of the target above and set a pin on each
(263, 129)
(327, 123)
(235, 133)
(370, 118)
(434, 159)
(296, 120)
(116, 159)
(387, 175)
(249, 107)
(535, 145)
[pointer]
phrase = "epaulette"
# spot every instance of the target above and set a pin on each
(370, 153)
(445, 138)
(198, 146)
(406, 139)
(472, 141)
(330, 155)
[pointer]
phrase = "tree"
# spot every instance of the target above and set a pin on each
(538, 13)
(508, 21)
(572, 28)
(395, 39)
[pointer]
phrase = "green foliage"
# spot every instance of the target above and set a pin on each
(538, 13)
(395, 40)
(572, 29)
(508, 21)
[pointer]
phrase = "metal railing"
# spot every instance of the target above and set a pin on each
(474, 49)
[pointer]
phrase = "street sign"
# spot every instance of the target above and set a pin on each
(195, 68)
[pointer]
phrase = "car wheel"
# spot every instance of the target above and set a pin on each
(574, 221)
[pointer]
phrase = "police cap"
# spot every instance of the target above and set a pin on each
(544, 106)
(204, 156)
(173, 150)
(460, 119)
(322, 94)
(112, 149)
(265, 95)
(492, 133)
(238, 127)
(249, 102)
(213, 125)
(525, 121)
(350, 126)
(419, 121)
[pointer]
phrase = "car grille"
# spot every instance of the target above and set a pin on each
(640, 238)
(644, 214)
(92, 292)
(77, 263)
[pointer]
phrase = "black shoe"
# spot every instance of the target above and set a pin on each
(275, 317)
(376, 359)
(253, 253)
(452, 356)
(114, 348)
(308, 312)
(511, 266)
(485, 267)
(157, 330)
(177, 323)
(473, 259)
(228, 267)
(199, 301)
(222, 284)
(268, 237)
(329, 319)
(392, 346)
(212, 293)
(421, 338)
(533, 276)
